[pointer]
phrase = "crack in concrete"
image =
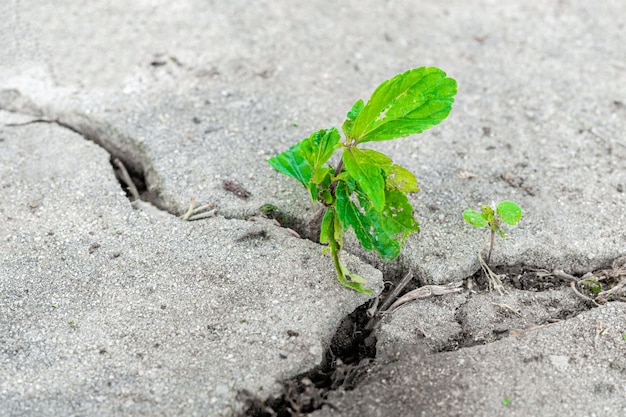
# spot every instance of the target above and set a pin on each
(128, 150)
(115, 143)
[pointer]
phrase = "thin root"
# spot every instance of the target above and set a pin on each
(494, 280)
(508, 307)
(126, 178)
(197, 213)
(600, 330)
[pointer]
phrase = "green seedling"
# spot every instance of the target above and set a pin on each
(593, 285)
(272, 212)
(366, 190)
(505, 212)
(506, 402)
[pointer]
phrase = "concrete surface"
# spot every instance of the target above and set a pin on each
(106, 310)
(572, 368)
(192, 93)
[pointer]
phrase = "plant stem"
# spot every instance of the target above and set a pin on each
(493, 238)
(333, 185)
(339, 167)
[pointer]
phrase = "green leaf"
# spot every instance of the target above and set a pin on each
(320, 173)
(320, 146)
(331, 230)
(332, 234)
(365, 166)
(367, 223)
(406, 104)
(475, 218)
(355, 110)
(292, 163)
(400, 178)
(304, 161)
(509, 212)
(351, 117)
(489, 215)
(326, 231)
(398, 215)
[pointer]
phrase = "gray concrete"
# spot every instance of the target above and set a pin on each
(562, 369)
(109, 310)
(191, 94)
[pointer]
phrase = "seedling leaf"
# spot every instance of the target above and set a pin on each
(400, 178)
(406, 104)
(398, 215)
(366, 167)
(367, 224)
(351, 117)
(475, 218)
(366, 190)
(326, 231)
(509, 212)
(292, 163)
(319, 147)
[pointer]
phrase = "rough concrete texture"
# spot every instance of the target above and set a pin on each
(107, 310)
(191, 93)
(195, 94)
(452, 322)
(573, 368)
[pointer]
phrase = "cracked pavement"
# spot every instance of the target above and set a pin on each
(109, 310)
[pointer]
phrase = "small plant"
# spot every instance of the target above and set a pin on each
(366, 190)
(494, 216)
(506, 402)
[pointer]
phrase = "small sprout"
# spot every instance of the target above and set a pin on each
(624, 336)
(55, 306)
(593, 285)
(366, 190)
(506, 401)
(71, 323)
(272, 212)
(505, 212)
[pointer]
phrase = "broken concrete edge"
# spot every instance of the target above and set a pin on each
(130, 151)
(134, 155)
(575, 358)
(415, 256)
(374, 277)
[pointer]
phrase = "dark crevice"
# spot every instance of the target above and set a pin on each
(288, 220)
(135, 168)
(351, 352)
(101, 134)
(519, 277)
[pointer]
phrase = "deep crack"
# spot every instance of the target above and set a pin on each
(351, 352)
(117, 145)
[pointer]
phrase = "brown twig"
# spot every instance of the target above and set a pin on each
(425, 291)
(390, 298)
(197, 213)
(126, 178)
(508, 307)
